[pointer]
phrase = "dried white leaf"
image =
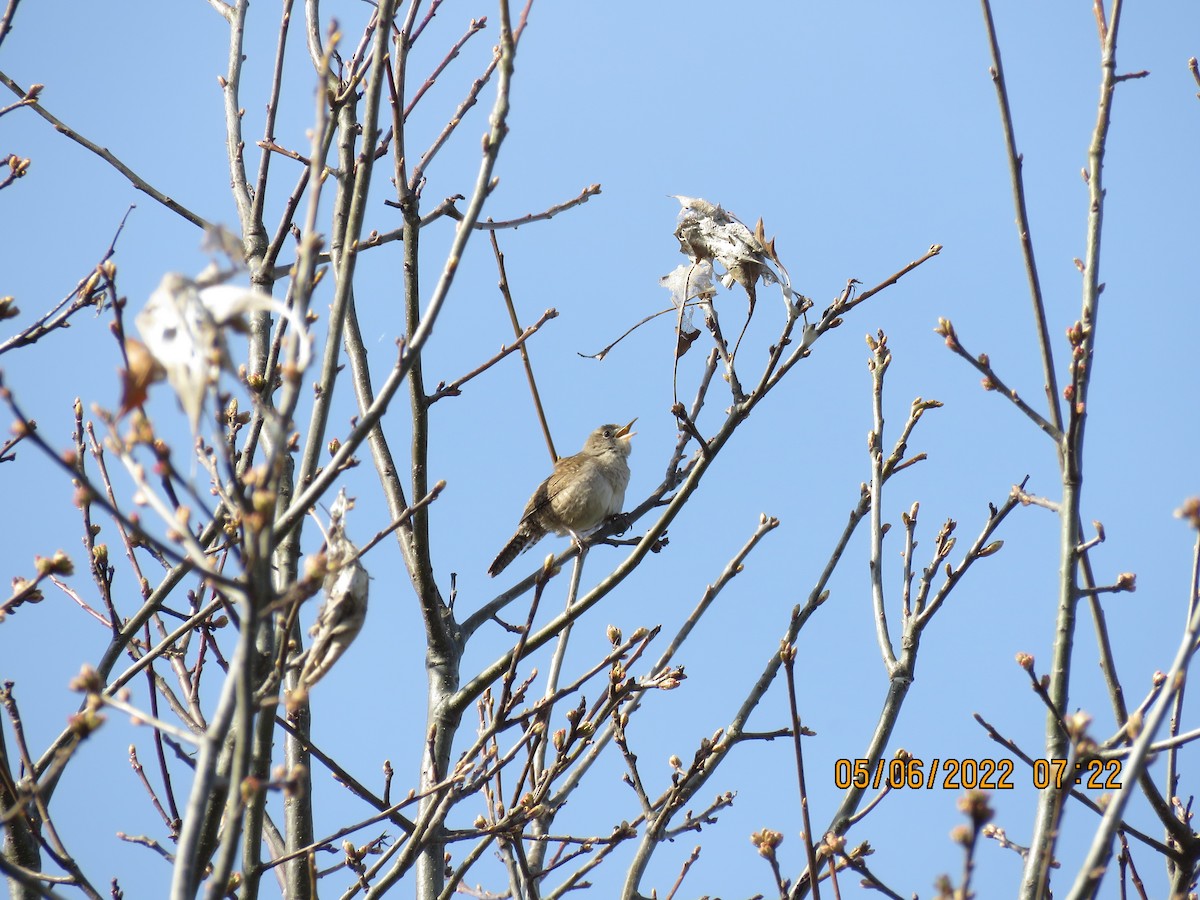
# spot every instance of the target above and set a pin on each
(183, 326)
(184, 339)
(344, 611)
(707, 231)
(690, 281)
(220, 241)
(340, 620)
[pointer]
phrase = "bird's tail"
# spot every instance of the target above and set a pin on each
(519, 543)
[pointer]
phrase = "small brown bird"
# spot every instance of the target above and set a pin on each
(581, 492)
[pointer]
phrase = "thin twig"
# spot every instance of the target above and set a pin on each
(138, 182)
(506, 293)
(1024, 233)
(993, 382)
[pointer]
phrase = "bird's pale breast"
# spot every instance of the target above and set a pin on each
(584, 500)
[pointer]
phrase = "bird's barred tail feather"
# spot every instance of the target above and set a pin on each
(520, 542)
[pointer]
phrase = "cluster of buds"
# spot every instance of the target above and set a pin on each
(58, 564)
(946, 330)
(17, 167)
(975, 805)
(766, 841)
(831, 845)
(88, 719)
(1190, 511)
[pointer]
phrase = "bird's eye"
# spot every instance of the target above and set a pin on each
(608, 432)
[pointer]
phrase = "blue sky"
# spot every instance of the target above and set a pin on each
(861, 134)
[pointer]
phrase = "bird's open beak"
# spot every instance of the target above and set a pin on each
(624, 431)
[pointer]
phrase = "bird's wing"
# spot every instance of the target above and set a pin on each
(541, 497)
(578, 499)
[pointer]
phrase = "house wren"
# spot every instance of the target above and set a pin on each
(581, 492)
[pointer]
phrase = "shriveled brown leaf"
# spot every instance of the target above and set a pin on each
(143, 371)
